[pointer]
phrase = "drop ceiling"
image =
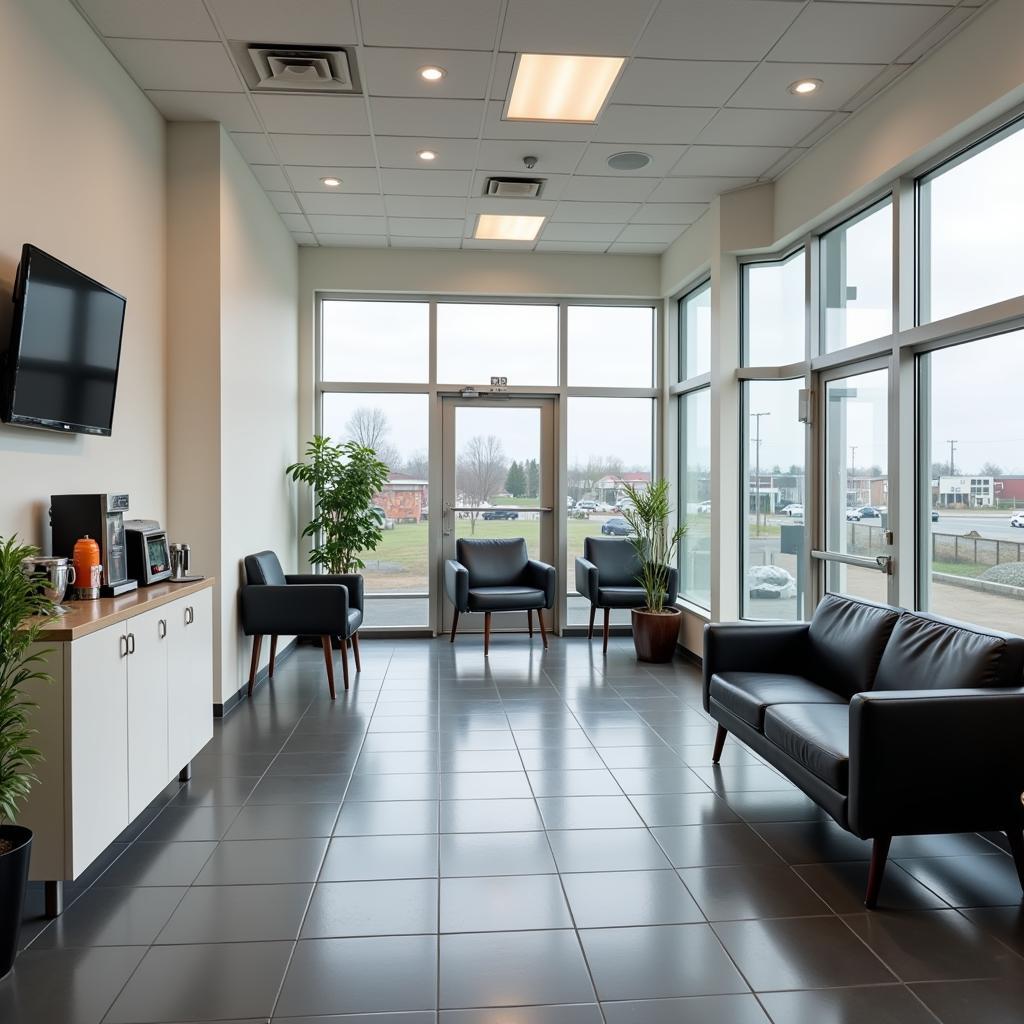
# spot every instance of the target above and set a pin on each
(704, 93)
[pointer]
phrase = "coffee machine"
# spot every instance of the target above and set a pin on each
(100, 516)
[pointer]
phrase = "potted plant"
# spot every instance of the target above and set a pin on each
(23, 605)
(647, 511)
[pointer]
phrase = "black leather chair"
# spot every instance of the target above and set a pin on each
(894, 722)
(607, 575)
(498, 576)
(306, 604)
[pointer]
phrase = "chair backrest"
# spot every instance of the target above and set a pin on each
(264, 568)
(847, 640)
(617, 561)
(492, 563)
(929, 653)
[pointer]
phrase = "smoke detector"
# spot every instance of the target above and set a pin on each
(296, 69)
(514, 188)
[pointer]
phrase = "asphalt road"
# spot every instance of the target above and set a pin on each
(996, 526)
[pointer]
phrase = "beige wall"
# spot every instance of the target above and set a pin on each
(82, 176)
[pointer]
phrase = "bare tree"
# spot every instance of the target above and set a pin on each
(369, 426)
(481, 470)
(417, 465)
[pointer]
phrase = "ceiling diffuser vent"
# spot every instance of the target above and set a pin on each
(296, 69)
(514, 188)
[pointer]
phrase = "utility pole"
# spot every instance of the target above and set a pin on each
(952, 451)
(757, 471)
(853, 470)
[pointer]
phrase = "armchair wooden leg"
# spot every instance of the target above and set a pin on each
(344, 663)
(529, 620)
(719, 743)
(607, 620)
(1016, 838)
(355, 652)
(257, 643)
(487, 633)
(455, 624)
(325, 642)
(273, 655)
(543, 631)
(879, 853)
(590, 629)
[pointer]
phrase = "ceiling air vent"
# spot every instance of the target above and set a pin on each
(514, 188)
(296, 69)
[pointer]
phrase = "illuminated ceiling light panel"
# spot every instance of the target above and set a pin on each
(561, 87)
(509, 227)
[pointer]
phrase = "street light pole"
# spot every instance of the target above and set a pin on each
(757, 471)
(853, 470)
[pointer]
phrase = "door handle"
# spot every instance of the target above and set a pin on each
(131, 643)
(124, 646)
(161, 628)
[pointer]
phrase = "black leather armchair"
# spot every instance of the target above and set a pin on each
(498, 576)
(306, 604)
(607, 576)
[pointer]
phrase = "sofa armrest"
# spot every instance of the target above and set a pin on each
(936, 761)
(587, 579)
(352, 581)
(456, 584)
(671, 585)
(753, 647)
(543, 577)
(294, 610)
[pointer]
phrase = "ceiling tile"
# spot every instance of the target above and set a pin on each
(595, 213)
(169, 64)
(406, 242)
(637, 248)
(552, 157)
(669, 213)
(304, 237)
(424, 206)
(695, 190)
(555, 232)
(254, 147)
(553, 187)
(393, 72)
(832, 121)
(876, 85)
(425, 183)
(601, 189)
(456, 119)
(353, 179)
(488, 204)
(311, 22)
(232, 110)
(325, 150)
(347, 225)
(595, 160)
(602, 27)
(769, 85)
(150, 19)
(351, 241)
(295, 221)
(692, 83)
(401, 150)
(736, 127)
(270, 176)
(716, 29)
(426, 227)
(456, 24)
(496, 244)
(863, 33)
(315, 115)
(496, 128)
(637, 125)
(284, 202)
(935, 35)
(329, 202)
(650, 233)
(548, 246)
(727, 161)
(791, 157)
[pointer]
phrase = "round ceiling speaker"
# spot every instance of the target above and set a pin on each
(631, 160)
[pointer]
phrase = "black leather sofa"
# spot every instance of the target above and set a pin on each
(894, 722)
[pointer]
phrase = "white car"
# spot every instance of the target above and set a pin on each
(794, 510)
(704, 508)
(1017, 520)
(853, 515)
(586, 505)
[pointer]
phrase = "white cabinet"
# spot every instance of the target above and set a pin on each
(146, 664)
(190, 678)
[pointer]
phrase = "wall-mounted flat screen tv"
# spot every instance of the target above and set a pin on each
(59, 371)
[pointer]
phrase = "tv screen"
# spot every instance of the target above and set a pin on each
(60, 370)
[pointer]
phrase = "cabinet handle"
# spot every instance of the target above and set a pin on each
(161, 628)
(190, 615)
(131, 643)
(124, 646)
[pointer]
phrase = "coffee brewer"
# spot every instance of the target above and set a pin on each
(100, 516)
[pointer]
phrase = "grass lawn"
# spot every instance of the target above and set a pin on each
(971, 569)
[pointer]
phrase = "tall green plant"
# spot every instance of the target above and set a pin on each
(344, 479)
(21, 600)
(648, 513)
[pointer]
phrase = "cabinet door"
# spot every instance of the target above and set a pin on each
(97, 741)
(189, 677)
(147, 708)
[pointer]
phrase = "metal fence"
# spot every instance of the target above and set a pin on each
(946, 547)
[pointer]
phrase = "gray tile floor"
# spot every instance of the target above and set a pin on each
(540, 840)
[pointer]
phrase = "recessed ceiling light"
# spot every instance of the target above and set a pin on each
(427, 154)
(561, 87)
(508, 226)
(432, 73)
(330, 182)
(805, 86)
(630, 160)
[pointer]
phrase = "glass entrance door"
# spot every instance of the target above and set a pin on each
(498, 481)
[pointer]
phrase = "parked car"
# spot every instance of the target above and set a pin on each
(616, 527)
(569, 502)
(386, 522)
(603, 506)
(1017, 520)
(795, 509)
(587, 505)
(500, 513)
(935, 515)
(704, 508)
(853, 515)
(870, 512)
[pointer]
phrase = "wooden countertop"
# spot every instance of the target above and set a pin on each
(85, 617)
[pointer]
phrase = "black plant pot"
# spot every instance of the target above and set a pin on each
(13, 878)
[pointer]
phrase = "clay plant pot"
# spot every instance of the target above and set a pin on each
(13, 877)
(655, 634)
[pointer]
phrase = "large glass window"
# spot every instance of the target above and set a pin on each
(773, 496)
(695, 332)
(611, 346)
(971, 225)
(774, 304)
(695, 496)
(375, 342)
(971, 486)
(856, 279)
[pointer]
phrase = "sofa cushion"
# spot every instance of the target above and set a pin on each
(747, 694)
(621, 597)
(497, 599)
(816, 736)
(926, 652)
(846, 640)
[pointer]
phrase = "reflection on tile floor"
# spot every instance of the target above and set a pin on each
(538, 840)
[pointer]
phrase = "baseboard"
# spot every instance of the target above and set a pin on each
(690, 656)
(222, 710)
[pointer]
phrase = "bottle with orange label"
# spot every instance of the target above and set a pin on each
(88, 571)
